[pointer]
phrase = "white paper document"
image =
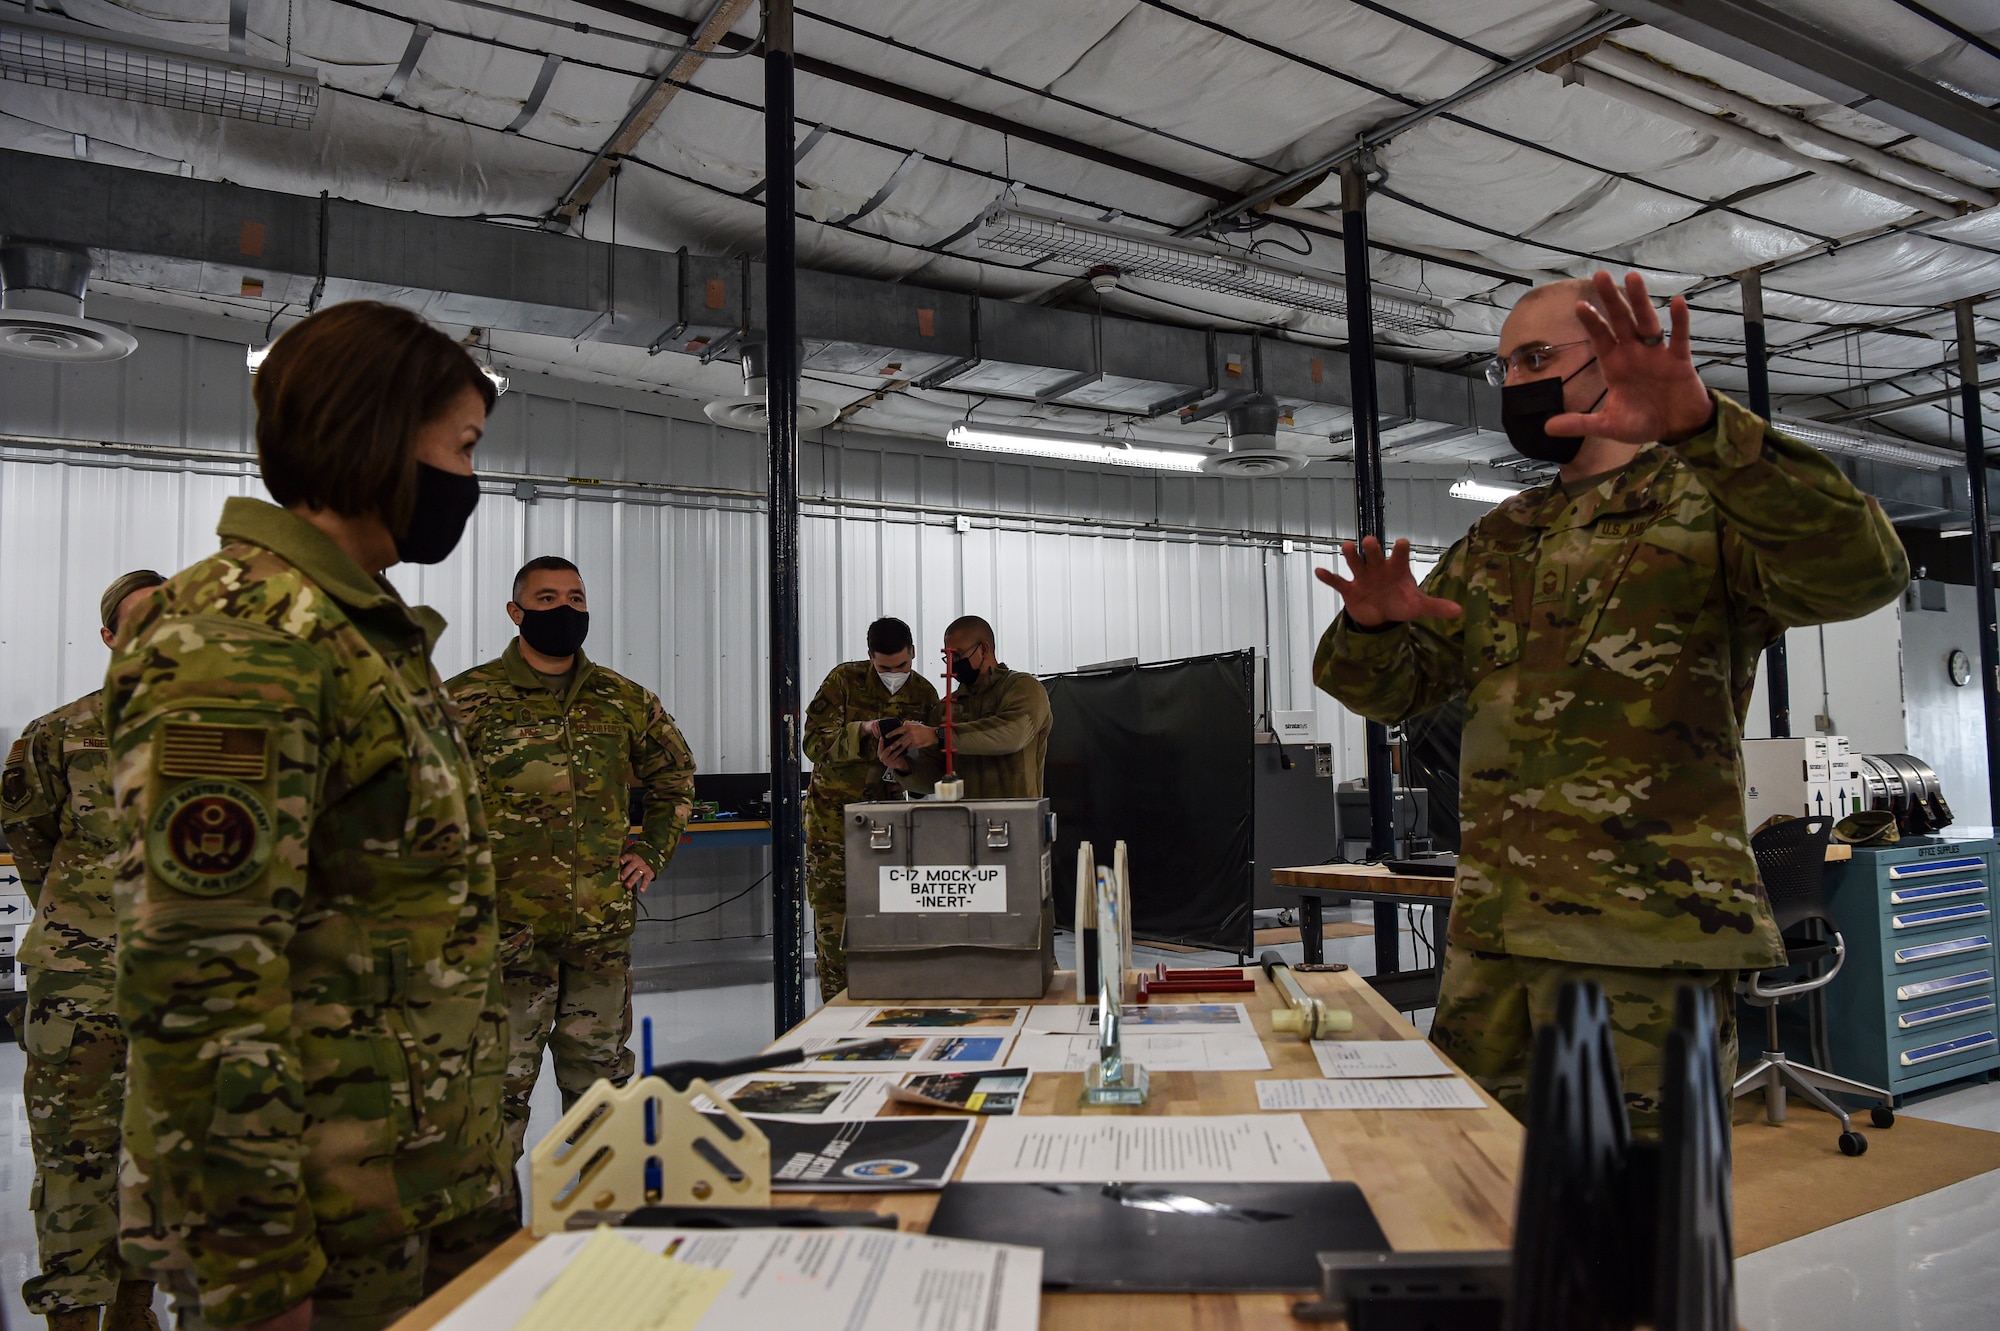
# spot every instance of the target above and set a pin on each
(1379, 1058)
(1181, 1050)
(1238, 1148)
(851, 1279)
(1364, 1093)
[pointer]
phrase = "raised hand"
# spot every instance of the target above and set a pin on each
(1651, 389)
(1383, 590)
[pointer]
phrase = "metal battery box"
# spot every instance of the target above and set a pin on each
(949, 900)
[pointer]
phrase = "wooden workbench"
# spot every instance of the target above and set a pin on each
(1317, 883)
(1437, 1179)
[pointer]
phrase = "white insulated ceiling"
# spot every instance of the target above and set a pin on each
(1548, 173)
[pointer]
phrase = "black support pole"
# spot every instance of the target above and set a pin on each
(781, 321)
(1368, 519)
(1777, 673)
(1982, 550)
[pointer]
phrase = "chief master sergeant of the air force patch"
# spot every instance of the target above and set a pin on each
(210, 836)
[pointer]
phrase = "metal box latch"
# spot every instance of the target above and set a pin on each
(996, 834)
(881, 836)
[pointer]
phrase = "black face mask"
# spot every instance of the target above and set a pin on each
(557, 631)
(966, 673)
(1525, 413)
(445, 500)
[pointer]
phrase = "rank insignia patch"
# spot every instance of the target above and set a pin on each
(209, 838)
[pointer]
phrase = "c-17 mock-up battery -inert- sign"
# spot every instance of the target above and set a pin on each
(933, 888)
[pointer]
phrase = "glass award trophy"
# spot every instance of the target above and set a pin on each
(1112, 1080)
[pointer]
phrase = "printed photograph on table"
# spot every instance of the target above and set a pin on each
(777, 1095)
(965, 1092)
(969, 1049)
(867, 1155)
(890, 1050)
(1184, 1014)
(958, 1018)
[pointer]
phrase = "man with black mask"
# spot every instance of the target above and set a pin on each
(560, 742)
(999, 720)
(1605, 629)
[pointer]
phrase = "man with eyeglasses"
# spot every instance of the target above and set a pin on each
(1606, 628)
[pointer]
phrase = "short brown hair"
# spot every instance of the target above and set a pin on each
(543, 564)
(340, 399)
(970, 626)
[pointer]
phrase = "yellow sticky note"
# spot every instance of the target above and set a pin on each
(615, 1285)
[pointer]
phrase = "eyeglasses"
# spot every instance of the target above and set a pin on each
(1533, 358)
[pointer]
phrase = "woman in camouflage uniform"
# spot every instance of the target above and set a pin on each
(306, 906)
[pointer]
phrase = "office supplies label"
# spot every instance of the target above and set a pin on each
(976, 889)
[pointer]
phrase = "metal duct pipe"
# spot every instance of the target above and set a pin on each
(1777, 670)
(1771, 120)
(1659, 104)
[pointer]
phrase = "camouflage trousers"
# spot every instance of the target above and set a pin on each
(574, 999)
(826, 892)
(369, 1290)
(1490, 1006)
(74, 1090)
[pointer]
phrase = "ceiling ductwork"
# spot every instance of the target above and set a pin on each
(41, 305)
(1252, 447)
(752, 411)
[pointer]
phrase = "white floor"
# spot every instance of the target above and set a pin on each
(1932, 1264)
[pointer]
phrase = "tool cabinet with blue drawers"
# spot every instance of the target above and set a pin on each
(1914, 1005)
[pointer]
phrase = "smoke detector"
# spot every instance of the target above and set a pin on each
(752, 411)
(1253, 448)
(1103, 278)
(41, 305)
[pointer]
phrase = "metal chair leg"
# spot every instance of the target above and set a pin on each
(1832, 1081)
(1791, 1075)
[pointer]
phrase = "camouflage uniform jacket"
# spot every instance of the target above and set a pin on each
(846, 769)
(557, 771)
(1608, 648)
(1000, 738)
(307, 936)
(55, 802)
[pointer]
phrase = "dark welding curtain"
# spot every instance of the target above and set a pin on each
(1432, 764)
(1159, 756)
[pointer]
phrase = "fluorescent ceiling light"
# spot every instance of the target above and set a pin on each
(1956, 531)
(55, 53)
(255, 357)
(1481, 493)
(1195, 263)
(1069, 447)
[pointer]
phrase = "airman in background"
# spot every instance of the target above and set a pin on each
(1000, 724)
(55, 802)
(561, 742)
(844, 732)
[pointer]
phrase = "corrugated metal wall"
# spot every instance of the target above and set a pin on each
(1071, 565)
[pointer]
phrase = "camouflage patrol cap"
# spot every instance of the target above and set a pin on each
(115, 594)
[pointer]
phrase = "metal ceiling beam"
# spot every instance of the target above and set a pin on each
(1785, 47)
(646, 112)
(941, 106)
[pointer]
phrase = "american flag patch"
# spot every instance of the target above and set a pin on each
(17, 751)
(195, 749)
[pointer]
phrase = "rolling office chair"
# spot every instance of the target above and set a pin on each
(1791, 858)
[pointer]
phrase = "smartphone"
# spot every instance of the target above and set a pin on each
(888, 726)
